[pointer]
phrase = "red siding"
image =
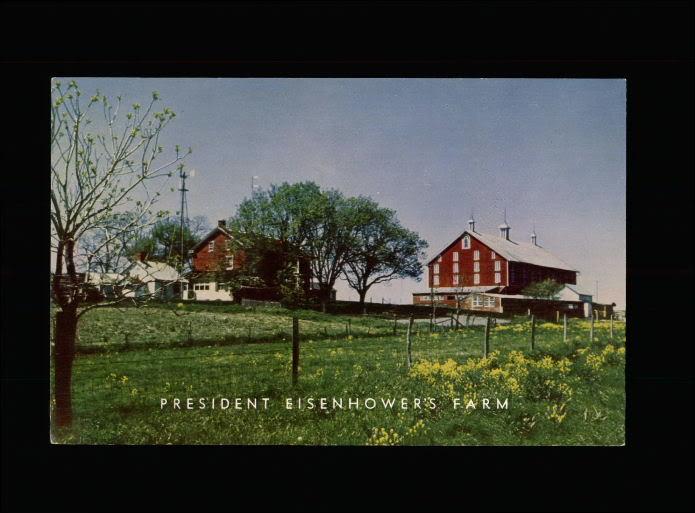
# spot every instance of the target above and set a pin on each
(466, 266)
(205, 260)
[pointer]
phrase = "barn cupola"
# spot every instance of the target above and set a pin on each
(471, 224)
(504, 227)
(534, 237)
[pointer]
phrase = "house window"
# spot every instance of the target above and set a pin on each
(498, 265)
(436, 268)
(211, 246)
(489, 301)
(498, 277)
(455, 269)
(476, 255)
(476, 279)
(435, 280)
(477, 301)
(456, 279)
(455, 256)
(466, 242)
(492, 255)
(476, 267)
(230, 262)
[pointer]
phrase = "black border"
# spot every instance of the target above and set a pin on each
(651, 44)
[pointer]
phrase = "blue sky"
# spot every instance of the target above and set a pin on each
(550, 151)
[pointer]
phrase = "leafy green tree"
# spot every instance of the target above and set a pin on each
(300, 222)
(163, 241)
(98, 170)
(381, 249)
(546, 289)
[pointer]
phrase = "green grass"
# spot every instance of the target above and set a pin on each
(117, 393)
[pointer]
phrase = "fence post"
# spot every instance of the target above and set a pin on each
(611, 326)
(409, 342)
(564, 323)
(248, 338)
(190, 331)
(486, 342)
(533, 333)
(557, 316)
(295, 350)
(591, 331)
(127, 340)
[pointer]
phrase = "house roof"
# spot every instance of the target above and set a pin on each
(577, 290)
(217, 229)
(515, 251)
(150, 271)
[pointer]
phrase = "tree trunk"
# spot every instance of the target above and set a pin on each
(65, 333)
(324, 303)
(363, 296)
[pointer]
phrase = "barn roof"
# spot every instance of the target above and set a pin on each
(515, 251)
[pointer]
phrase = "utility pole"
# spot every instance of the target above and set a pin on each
(183, 214)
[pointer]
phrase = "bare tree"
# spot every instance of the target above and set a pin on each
(99, 173)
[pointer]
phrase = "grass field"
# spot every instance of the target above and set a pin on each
(561, 394)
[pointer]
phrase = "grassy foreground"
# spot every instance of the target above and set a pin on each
(561, 394)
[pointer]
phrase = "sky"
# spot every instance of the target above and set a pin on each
(551, 152)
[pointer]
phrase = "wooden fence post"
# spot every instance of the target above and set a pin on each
(486, 342)
(190, 331)
(591, 331)
(564, 323)
(533, 333)
(557, 316)
(611, 326)
(409, 342)
(295, 350)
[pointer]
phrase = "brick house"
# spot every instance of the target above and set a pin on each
(212, 259)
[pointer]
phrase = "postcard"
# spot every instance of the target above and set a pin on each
(338, 261)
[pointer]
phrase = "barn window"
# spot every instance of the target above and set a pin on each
(439, 258)
(489, 301)
(436, 269)
(211, 246)
(476, 255)
(456, 279)
(477, 301)
(492, 255)
(466, 242)
(476, 267)
(455, 269)
(435, 280)
(455, 256)
(498, 265)
(498, 277)
(476, 279)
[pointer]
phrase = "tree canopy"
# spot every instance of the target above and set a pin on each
(337, 236)
(546, 289)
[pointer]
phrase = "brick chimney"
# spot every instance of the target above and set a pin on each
(222, 223)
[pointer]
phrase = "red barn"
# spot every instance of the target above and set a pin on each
(478, 262)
